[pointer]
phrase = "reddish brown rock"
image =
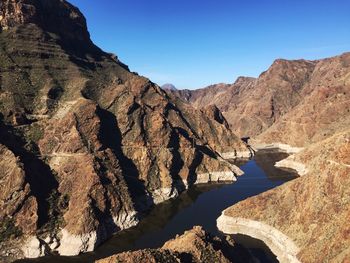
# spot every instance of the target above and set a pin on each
(301, 104)
(86, 143)
(324, 109)
(194, 246)
(68, 19)
(27, 217)
(14, 187)
(15, 198)
(252, 105)
(303, 101)
(313, 210)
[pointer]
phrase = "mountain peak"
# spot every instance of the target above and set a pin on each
(57, 16)
(241, 79)
(169, 86)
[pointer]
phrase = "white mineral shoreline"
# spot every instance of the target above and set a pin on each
(215, 177)
(281, 245)
(281, 147)
(72, 244)
(237, 155)
(290, 163)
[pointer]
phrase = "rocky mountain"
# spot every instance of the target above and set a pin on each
(291, 96)
(305, 220)
(85, 144)
(169, 86)
(222, 95)
(323, 110)
(302, 107)
(194, 246)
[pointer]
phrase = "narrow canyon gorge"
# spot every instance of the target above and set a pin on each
(88, 148)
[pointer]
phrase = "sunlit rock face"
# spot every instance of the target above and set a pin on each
(302, 108)
(323, 110)
(295, 102)
(56, 16)
(86, 144)
(311, 212)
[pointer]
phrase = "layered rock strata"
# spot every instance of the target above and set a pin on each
(85, 144)
(307, 217)
(294, 102)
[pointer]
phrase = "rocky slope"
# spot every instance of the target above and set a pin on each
(294, 105)
(169, 86)
(222, 95)
(285, 101)
(194, 246)
(306, 219)
(324, 109)
(85, 144)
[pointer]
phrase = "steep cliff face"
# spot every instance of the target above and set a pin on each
(302, 104)
(222, 95)
(324, 109)
(313, 210)
(294, 102)
(275, 93)
(86, 143)
(253, 105)
(53, 16)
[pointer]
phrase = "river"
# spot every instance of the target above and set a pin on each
(201, 205)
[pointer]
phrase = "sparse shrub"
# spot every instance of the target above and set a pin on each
(36, 133)
(8, 229)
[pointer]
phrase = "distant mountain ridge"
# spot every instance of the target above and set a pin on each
(302, 107)
(168, 86)
(259, 107)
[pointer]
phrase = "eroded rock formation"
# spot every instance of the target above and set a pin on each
(324, 109)
(295, 102)
(312, 211)
(85, 144)
(194, 246)
(302, 108)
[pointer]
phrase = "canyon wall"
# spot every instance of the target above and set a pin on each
(313, 210)
(295, 102)
(194, 246)
(86, 144)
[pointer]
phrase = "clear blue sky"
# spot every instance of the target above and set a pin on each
(194, 43)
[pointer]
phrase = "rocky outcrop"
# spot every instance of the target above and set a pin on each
(222, 95)
(193, 246)
(15, 190)
(311, 212)
(324, 109)
(85, 144)
(59, 17)
(298, 107)
(294, 102)
(308, 118)
(169, 86)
